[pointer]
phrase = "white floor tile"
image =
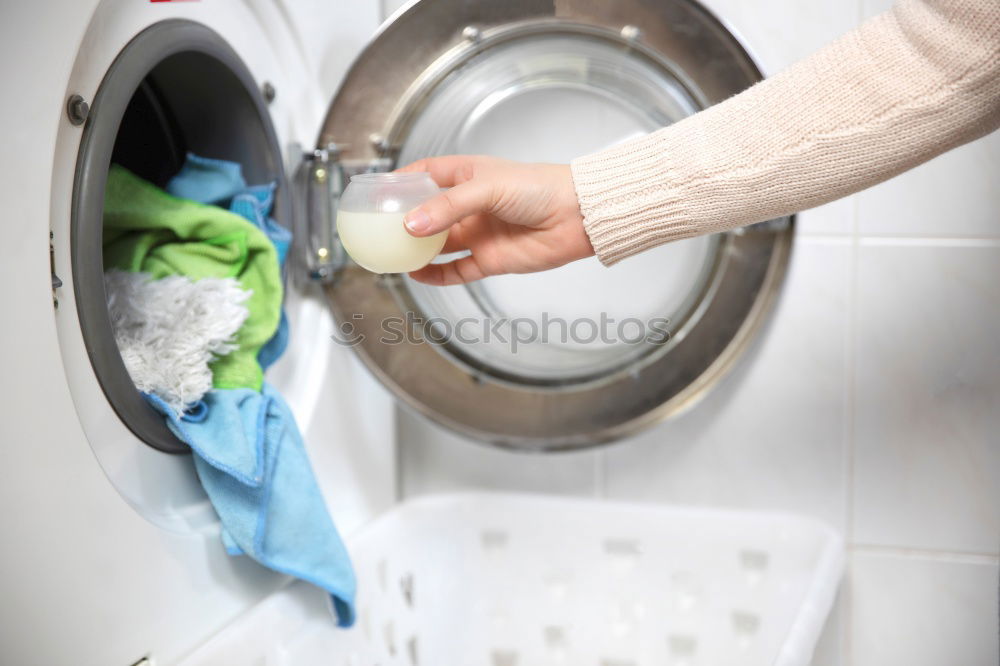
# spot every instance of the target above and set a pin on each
(953, 195)
(332, 35)
(390, 6)
(434, 460)
(778, 33)
(870, 8)
(830, 648)
(772, 435)
(836, 217)
(920, 612)
(927, 452)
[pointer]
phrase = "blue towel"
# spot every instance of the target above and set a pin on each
(247, 449)
(221, 183)
(207, 181)
(254, 203)
(252, 463)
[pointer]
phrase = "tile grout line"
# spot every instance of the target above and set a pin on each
(850, 415)
(952, 556)
(397, 455)
(823, 239)
(928, 241)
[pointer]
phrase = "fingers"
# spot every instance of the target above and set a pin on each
(453, 243)
(446, 171)
(459, 271)
(448, 208)
(465, 235)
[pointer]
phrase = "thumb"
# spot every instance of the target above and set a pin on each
(450, 207)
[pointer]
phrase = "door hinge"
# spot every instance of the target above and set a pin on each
(320, 180)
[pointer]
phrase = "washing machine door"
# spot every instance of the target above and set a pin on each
(575, 356)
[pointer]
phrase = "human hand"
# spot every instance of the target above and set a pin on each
(513, 217)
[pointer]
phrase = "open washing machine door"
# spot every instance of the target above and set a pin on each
(576, 356)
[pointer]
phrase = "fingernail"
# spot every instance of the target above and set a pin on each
(417, 221)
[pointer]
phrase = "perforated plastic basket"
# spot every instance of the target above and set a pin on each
(515, 580)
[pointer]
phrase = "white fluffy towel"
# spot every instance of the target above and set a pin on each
(169, 330)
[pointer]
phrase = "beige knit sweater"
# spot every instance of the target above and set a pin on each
(904, 87)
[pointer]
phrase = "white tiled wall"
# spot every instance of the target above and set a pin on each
(927, 370)
(872, 401)
(923, 610)
(743, 445)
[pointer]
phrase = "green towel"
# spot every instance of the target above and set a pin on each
(146, 229)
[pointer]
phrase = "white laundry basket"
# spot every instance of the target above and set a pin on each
(515, 580)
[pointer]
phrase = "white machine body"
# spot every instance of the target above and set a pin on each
(92, 512)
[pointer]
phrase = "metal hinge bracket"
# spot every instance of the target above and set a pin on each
(319, 182)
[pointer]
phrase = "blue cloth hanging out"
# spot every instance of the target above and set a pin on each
(252, 462)
(248, 452)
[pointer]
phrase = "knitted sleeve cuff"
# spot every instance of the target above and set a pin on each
(626, 199)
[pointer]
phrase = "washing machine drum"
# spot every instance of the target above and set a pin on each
(568, 358)
(582, 354)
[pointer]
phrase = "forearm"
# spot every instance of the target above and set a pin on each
(902, 88)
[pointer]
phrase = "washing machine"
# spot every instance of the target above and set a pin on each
(111, 548)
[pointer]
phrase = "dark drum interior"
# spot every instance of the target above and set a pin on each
(192, 102)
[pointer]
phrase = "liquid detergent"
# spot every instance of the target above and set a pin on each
(380, 243)
(370, 221)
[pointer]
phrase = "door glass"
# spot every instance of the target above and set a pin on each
(551, 98)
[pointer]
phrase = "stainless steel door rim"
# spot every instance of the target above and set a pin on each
(438, 50)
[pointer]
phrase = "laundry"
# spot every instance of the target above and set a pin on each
(221, 182)
(248, 452)
(148, 230)
(251, 461)
(169, 330)
(207, 180)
